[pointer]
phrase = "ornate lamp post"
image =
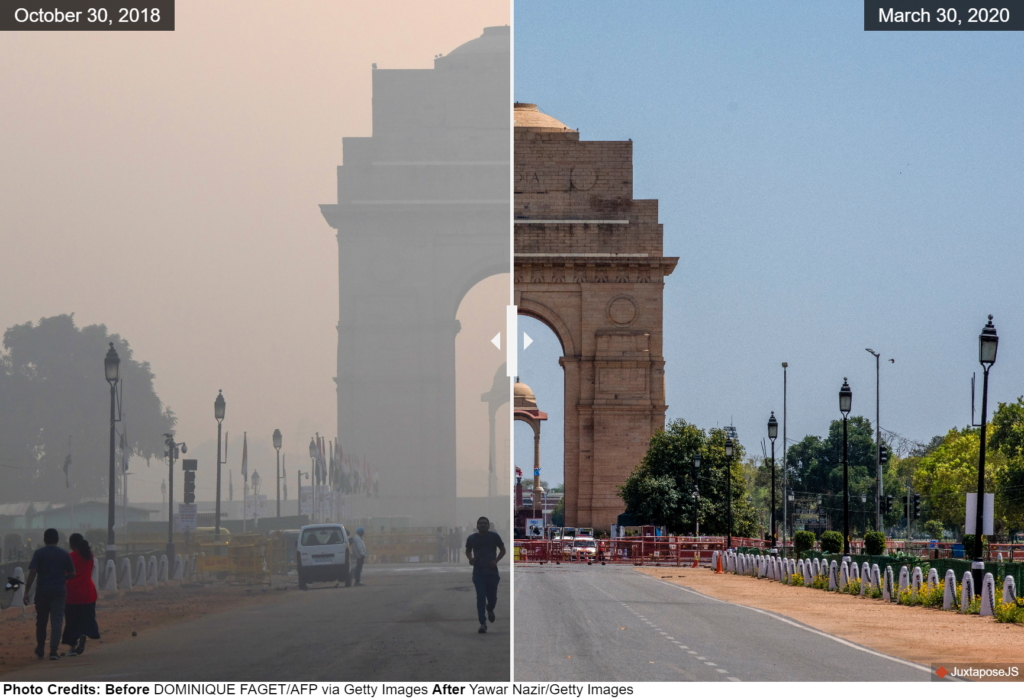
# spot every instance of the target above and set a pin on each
(773, 433)
(845, 403)
(988, 343)
(218, 413)
(112, 368)
(277, 446)
(313, 451)
(696, 493)
(728, 489)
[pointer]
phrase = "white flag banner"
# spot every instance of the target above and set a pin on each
(306, 500)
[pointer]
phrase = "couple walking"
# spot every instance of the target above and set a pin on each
(65, 595)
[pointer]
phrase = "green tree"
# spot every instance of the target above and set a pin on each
(945, 475)
(661, 487)
(1008, 439)
(53, 388)
(558, 514)
(816, 468)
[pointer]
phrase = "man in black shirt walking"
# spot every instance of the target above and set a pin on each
(484, 548)
(52, 565)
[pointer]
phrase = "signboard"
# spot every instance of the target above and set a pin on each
(972, 513)
(185, 520)
(535, 528)
(306, 500)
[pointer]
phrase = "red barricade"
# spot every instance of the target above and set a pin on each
(647, 550)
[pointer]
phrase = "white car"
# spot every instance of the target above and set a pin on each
(322, 554)
(584, 547)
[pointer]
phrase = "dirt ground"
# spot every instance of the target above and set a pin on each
(137, 611)
(918, 634)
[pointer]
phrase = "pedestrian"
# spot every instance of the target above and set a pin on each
(80, 612)
(484, 548)
(53, 566)
(359, 553)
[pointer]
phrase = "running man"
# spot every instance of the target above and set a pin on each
(484, 548)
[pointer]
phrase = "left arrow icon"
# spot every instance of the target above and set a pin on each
(496, 340)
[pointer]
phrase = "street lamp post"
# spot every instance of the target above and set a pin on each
(988, 343)
(111, 367)
(313, 451)
(878, 443)
(277, 446)
(785, 463)
(218, 413)
(845, 403)
(298, 490)
(728, 490)
(172, 454)
(255, 499)
(696, 493)
(773, 433)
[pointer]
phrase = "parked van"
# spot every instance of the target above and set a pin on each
(322, 554)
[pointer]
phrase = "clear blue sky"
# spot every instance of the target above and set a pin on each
(826, 190)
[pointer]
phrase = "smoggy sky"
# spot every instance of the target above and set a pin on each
(826, 189)
(166, 185)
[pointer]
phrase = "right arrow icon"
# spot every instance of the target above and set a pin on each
(527, 340)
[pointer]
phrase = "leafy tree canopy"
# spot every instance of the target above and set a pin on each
(52, 390)
(661, 487)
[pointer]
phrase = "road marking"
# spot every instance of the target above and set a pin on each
(721, 671)
(733, 679)
(798, 625)
(708, 662)
(701, 657)
(691, 652)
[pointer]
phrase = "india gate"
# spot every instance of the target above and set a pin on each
(422, 216)
(589, 263)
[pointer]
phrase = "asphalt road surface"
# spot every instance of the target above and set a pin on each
(408, 623)
(611, 623)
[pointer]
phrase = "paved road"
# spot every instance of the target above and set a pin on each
(611, 623)
(408, 623)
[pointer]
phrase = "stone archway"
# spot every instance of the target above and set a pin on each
(589, 263)
(421, 217)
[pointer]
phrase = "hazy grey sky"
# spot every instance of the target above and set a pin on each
(826, 190)
(166, 185)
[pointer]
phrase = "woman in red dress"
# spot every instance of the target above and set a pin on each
(80, 611)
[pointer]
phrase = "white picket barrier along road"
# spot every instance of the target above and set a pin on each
(949, 592)
(933, 577)
(1009, 590)
(904, 580)
(833, 572)
(126, 574)
(844, 575)
(140, 572)
(887, 591)
(151, 571)
(110, 576)
(988, 595)
(966, 592)
(162, 575)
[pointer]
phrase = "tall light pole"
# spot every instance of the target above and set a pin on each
(111, 367)
(728, 489)
(878, 442)
(312, 472)
(218, 412)
(277, 446)
(773, 433)
(255, 499)
(172, 454)
(845, 403)
(696, 493)
(785, 464)
(298, 490)
(988, 343)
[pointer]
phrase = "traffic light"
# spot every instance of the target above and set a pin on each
(888, 503)
(917, 506)
(189, 467)
(904, 501)
(883, 454)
